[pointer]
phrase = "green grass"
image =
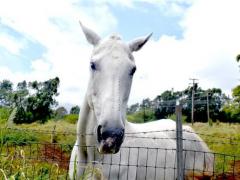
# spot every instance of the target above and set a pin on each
(224, 140)
(15, 166)
(26, 150)
(221, 138)
(71, 118)
(64, 131)
(4, 114)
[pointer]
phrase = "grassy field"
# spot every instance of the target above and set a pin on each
(221, 137)
(16, 161)
(224, 140)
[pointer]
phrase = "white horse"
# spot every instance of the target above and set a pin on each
(114, 147)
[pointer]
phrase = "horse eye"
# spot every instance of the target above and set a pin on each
(133, 71)
(93, 66)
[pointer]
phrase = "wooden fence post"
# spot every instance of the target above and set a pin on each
(53, 135)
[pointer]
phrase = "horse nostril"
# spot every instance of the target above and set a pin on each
(115, 133)
(120, 132)
(120, 135)
(99, 133)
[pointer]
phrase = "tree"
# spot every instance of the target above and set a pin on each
(75, 110)
(236, 94)
(6, 88)
(216, 100)
(146, 107)
(37, 105)
(41, 102)
(164, 104)
(238, 58)
(232, 108)
(19, 96)
(60, 112)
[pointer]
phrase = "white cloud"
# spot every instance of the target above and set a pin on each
(40, 65)
(13, 45)
(207, 50)
(167, 7)
(54, 24)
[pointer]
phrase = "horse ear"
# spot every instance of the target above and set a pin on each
(138, 43)
(91, 36)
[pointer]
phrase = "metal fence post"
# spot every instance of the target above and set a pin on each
(179, 142)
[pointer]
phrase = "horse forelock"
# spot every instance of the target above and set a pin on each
(111, 45)
(115, 36)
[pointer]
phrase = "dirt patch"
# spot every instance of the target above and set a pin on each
(233, 175)
(53, 153)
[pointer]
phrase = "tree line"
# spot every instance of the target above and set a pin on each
(208, 104)
(163, 106)
(33, 101)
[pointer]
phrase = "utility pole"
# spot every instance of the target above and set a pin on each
(144, 114)
(193, 92)
(208, 115)
(208, 107)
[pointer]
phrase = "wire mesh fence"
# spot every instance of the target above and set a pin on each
(26, 157)
(39, 154)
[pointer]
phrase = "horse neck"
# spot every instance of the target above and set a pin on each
(86, 118)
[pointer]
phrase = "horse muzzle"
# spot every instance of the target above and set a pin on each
(109, 139)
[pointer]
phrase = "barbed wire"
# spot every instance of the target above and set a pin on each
(172, 102)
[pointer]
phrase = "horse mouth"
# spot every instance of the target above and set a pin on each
(108, 146)
(109, 139)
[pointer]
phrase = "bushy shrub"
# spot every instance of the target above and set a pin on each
(75, 110)
(4, 114)
(135, 118)
(142, 116)
(60, 112)
(22, 116)
(71, 118)
(17, 137)
(232, 112)
(173, 117)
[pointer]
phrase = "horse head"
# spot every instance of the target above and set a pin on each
(112, 67)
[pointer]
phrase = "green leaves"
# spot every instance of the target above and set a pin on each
(30, 106)
(75, 110)
(163, 106)
(238, 58)
(236, 94)
(232, 108)
(5, 92)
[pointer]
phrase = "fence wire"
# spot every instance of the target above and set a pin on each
(224, 139)
(28, 158)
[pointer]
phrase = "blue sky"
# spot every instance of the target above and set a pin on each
(132, 22)
(191, 38)
(145, 18)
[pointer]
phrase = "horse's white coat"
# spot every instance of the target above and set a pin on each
(106, 103)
